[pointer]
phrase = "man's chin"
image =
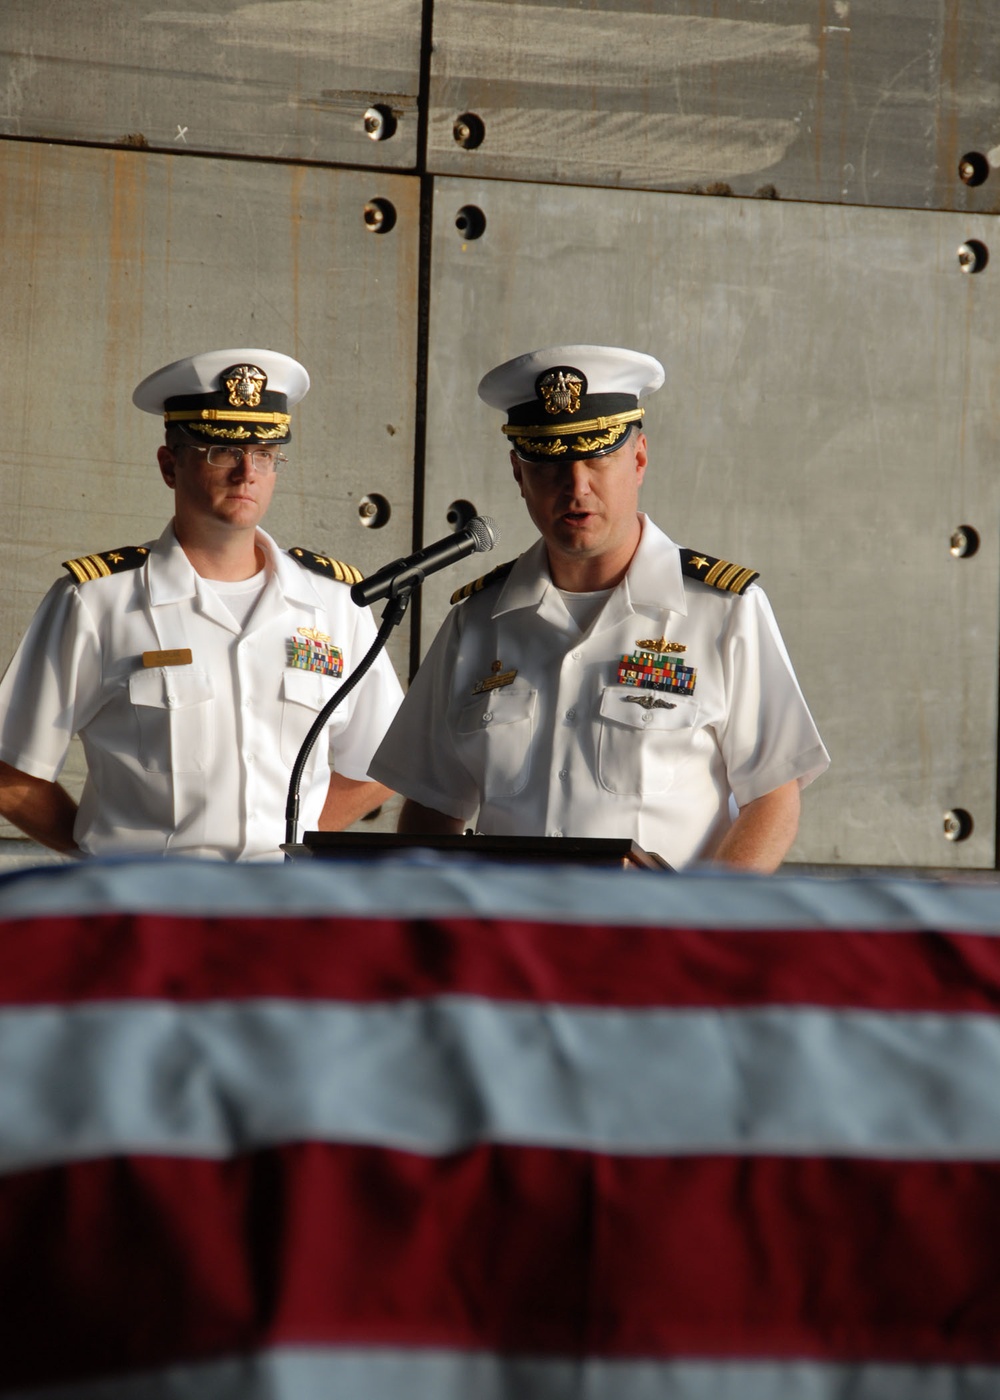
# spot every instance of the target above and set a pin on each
(576, 545)
(240, 519)
(578, 534)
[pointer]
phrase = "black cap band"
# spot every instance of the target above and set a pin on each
(243, 409)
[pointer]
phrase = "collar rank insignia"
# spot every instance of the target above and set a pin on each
(649, 702)
(310, 650)
(718, 573)
(114, 561)
(649, 671)
(496, 681)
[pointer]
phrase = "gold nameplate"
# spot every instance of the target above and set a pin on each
(180, 657)
(496, 681)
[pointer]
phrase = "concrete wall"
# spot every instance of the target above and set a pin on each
(787, 203)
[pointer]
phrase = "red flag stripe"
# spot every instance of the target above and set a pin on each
(56, 959)
(117, 1265)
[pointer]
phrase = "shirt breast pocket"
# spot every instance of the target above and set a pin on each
(174, 710)
(303, 695)
(643, 737)
(493, 734)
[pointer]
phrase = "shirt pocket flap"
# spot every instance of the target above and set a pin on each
(308, 688)
(505, 705)
(648, 709)
(170, 687)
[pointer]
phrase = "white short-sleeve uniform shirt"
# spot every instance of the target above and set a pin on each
(191, 759)
(566, 748)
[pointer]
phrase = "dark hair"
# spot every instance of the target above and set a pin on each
(176, 436)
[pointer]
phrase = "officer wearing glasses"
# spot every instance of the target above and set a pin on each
(193, 666)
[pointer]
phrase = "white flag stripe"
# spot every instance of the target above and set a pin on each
(320, 1373)
(216, 1079)
(425, 886)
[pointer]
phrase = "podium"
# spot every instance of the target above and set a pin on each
(552, 850)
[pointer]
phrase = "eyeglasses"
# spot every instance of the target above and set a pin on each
(264, 459)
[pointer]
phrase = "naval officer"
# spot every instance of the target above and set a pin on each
(192, 666)
(608, 682)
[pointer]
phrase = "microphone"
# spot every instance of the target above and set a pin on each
(480, 534)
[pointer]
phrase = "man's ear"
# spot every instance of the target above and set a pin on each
(515, 463)
(641, 457)
(167, 460)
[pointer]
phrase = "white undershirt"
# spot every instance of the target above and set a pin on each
(239, 597)
(584, 607)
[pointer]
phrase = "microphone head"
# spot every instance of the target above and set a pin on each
(485, 531)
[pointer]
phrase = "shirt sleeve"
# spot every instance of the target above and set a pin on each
(769, 737)
(418, 757)
(52, 686)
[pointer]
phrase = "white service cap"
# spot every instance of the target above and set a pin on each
(572, 401)
(227, 396)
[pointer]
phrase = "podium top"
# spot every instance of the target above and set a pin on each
(554, 850)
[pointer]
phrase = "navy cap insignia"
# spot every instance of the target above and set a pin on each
(245, 385)
(560, 389)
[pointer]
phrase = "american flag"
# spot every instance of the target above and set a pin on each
(429, 1130)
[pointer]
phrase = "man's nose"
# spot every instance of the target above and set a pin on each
(246, 466)
(578, 476)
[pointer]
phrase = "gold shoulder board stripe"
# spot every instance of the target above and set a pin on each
(718, 573)
(496, 575)
(113, 561)
(329, 568)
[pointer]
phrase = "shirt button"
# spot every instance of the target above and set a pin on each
(646, 718)
(250, 758)
(487, 716)
(576, 655)
(557, 832)
(571, 714)
(171, 701)
(564, 772)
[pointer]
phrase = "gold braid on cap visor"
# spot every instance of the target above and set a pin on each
(549, 443)
(226, 423)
